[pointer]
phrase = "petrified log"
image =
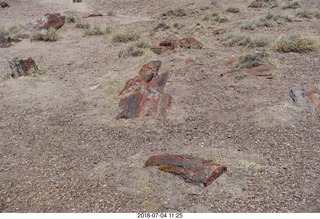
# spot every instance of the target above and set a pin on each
(186, 43)
(150, 70)
(22, 66)
(4, 5)
(307, 96)
(261, 70)
(48, 21)
(192, 170)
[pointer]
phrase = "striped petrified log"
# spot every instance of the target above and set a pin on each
(22, 66)
(192, 170)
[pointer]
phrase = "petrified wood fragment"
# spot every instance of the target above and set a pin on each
(48, 21)
(6, 42)
(192, 170)
(307, 96)
(147, 97)
(261, 70)
(186, 43)
(22, 66)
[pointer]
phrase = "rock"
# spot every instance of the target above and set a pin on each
(261, 70)
(192, 170)
(6, 42)
(77, 1)
(186, 43)
(147, 97)
(48, 21)
(150, 70)
(4, 5)
(312, 92)
(308, 96)
(95, 15)
(22, 66)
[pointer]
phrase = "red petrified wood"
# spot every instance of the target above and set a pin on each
(260, 70)
(314, 95)
(22, 66)
(147, 97)
(192, 170)
(54, 21)
(186, 43)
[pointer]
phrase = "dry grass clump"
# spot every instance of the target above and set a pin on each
(179, 12)
(233, 9)
(83, 25)
(133, 50)
(270, 20)
(317, 14)
(111, 13)
(14, 32)
(38, 71)
(94, 31)
(219, 18)
(239, 39)
(291, 5)
(161, 26)
(121, 36)
(72, 19)
(263, 3)
(295, 42)
(50, 35)
(304, 13)
(250, 60)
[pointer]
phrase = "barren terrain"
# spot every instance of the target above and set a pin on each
(62, 150)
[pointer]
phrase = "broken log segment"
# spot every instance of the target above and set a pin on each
(192, 170)
(22, 66)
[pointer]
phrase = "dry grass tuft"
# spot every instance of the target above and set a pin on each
(250, 60)
(291, 5)
(180, 12)
(295, 42)
(94, 31)
(239, 39)
(83, 25)
(50, 35)
(72, 19)
(233, 9)
(121, 36)
(263, 3)
(133, 50)
(270, 20)
(304, 13)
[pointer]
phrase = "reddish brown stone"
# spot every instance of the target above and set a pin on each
(160, 49)
(147, 97)
(186, 43)
(22, 66)
(48, 21)
(150, 70)
(6, 42)
(95, 15)
(4, 5)
(261, 70)
(192, 170)
(314, 95)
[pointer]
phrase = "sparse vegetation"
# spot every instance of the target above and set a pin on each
(317, 15)
(121, 36)
(45, 35)
(219, 18)
(263, 3)
(14, 32)
(270, 20)
(83, 25)
(72, 19)
(304, 13)
(38, 71)
(179, 12)
(291, 5)
(239, 39)
(111, 13)
(295, 42)
(233, 10)
(250, 60)
(134, 50)
(161, 26)
(178, 25)
(94, 31)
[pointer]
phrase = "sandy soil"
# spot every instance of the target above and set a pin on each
(62, 150)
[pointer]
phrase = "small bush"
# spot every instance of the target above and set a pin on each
(111, 13)
(94, 31)
(291, 5)
(245, 41)
(251, 60)
(83, 25)
(161, 26)
(295, 42)
(219, 18)
(304, 13)
(180, 12)
(131, 50)
(233, 10)
(141, 44)
(72, 19)
(38, 71)
(317, 15)
(263, 3)
(45, 35)
(124, 36)
(269, 20)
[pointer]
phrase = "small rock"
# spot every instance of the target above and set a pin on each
(48, 21)
(4, 5)
(22, 66)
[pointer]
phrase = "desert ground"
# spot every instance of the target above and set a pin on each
(63, 150)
